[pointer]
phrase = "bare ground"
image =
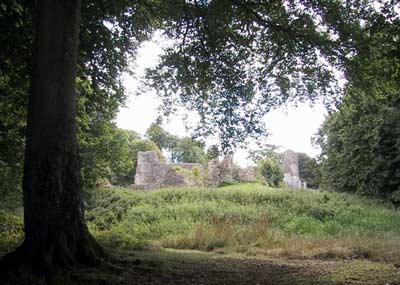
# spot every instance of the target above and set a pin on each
(160, 266)
(194, 267)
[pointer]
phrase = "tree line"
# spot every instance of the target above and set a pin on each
(360, 141)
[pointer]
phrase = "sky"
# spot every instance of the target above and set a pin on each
(290, 127)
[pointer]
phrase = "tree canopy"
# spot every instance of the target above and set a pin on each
(233, 61)
(271, 170)
(360, 142)
(110, 35)
(183, 149)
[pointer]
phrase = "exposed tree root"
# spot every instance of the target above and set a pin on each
(54, 264)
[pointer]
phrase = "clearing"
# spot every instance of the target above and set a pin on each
(240, 234)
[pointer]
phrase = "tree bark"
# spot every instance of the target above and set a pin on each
(56, 234)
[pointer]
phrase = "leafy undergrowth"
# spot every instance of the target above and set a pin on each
(11, 230)
(244, 234)
(250, 219)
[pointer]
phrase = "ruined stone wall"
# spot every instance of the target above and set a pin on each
(186, 165)
(248, 174)
(291, 169)
(151, 173)
(220, 172)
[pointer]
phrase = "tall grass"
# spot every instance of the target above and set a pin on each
(248, 218)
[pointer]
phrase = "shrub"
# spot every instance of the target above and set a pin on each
(271, 170)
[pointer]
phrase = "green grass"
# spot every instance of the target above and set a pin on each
(251, 219)
(330, 238)
(248, 218)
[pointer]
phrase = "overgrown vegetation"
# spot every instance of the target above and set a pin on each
(361, 146)
(361, 141)
(248, 218)
(271, 170)
(11, 230)
(309, 171)
(247, 222)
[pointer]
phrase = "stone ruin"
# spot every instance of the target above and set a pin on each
(248, 174)
(291, 170)
(151, 173)
(226, 172)
(220, 172)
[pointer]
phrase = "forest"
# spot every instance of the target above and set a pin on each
(69, 210)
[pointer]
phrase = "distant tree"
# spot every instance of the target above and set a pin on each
(267, 151)
(271, 170)
(162, 138)
(309, 170)
(120, 159)
(16, 38)
(112, 154)
(213, 152)
(182, 149)
(96, 149)
(132, 135)
(188, 150)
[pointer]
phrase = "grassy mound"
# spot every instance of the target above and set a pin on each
(256, 226)
(248, 218)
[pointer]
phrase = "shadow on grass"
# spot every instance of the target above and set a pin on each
(160, 266)
(167, 266)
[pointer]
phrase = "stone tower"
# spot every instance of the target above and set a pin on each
(291, 168)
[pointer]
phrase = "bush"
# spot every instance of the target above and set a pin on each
(271, 170)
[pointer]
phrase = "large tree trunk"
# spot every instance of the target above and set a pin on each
(56, 234)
